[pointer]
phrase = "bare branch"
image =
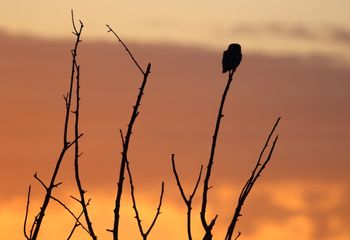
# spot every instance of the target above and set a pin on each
(126, 48)
(259, 167)
(158, 211)
(40, 181)
(76, 224)
(197, 183)
(188, 201)
(238, 235)
(208, 227)
(122, 137)
(137, 215)
(126, 140)
(26, 216)
(183, 195)
(70, 212)
(76, 154)
(66, 145)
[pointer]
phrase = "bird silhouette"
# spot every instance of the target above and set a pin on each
(231, 57)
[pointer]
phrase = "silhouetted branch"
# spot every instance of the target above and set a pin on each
(126, 48)
(26, 216)
(70, 212)
(137, 215)
(77, 155)
(40, 181)
(76, 224)
(66, 145)
(126, 141)
(157, 213)
(208, 227)
(188, 201)
(259, 167)
(238, 235)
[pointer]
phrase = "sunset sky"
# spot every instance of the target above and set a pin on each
(296, 64)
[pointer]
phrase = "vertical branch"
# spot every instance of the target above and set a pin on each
(26, 216)
(208, 227)
(126, 141)
(82, 200)
(188, 201)
(259, 167)
(66, 144)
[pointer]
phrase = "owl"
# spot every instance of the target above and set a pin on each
(231, 57)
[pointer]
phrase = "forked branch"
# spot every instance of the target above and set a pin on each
(143, 233)
(188, 201)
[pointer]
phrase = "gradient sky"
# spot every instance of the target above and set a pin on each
(295, 65)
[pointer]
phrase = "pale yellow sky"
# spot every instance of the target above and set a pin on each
(292, 27)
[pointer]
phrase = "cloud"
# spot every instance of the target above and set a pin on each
(294, 31)
(341, 34)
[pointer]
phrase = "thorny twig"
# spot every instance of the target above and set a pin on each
(66, 144)
(82, 200)
(208, 227)
(259, 167)
(127, 138)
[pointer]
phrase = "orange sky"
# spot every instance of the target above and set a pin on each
(303, 194)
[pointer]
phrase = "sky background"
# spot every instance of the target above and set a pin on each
(295, 65)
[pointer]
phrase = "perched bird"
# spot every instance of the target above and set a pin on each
(231, 57)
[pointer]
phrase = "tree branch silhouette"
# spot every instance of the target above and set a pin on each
(259, 167)
(76, 224)
(26, 215)
(82, 192)
(127, 138)
(137, 215)
(126, 48)
(188, 201)
(70, 211)
(208, 227)
(66, 144)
